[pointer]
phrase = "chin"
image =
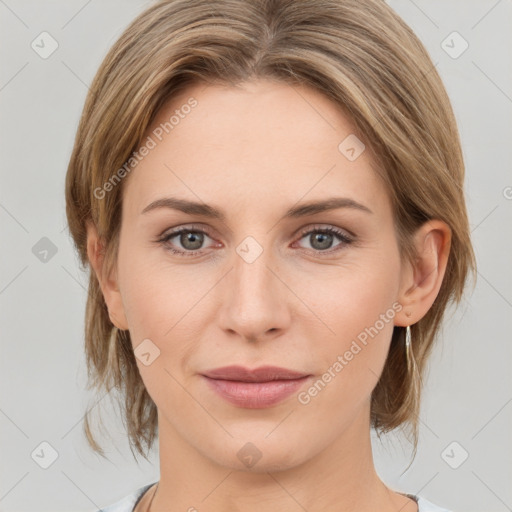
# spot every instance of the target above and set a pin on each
(253, 453)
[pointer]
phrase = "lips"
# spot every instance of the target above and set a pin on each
(257, 388)
(262, 374)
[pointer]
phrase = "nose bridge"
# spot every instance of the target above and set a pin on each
(251, 275)
(254, 302)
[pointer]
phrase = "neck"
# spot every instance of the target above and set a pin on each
(342, 477)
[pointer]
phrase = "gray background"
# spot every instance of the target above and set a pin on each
(468, 393)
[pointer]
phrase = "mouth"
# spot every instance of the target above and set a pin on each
(254, 389)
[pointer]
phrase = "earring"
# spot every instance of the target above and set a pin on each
(408, 345)
(411, 363)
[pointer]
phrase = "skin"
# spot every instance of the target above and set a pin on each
(254, 151)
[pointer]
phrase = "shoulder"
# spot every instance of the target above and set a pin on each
(426, 506)
(127, 503)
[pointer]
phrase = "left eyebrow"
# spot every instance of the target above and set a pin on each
(321, 206)
(302, 210)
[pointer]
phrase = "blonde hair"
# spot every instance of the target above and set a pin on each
(360, 55)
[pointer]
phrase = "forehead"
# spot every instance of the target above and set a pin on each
(260, 111)
(260, 142)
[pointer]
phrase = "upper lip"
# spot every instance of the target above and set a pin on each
(261, 374)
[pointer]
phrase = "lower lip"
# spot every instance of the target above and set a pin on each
(255, 395)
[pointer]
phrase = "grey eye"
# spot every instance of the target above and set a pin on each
(191, 240)
(321, 241)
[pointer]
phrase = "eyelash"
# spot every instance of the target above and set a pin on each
(191, 229)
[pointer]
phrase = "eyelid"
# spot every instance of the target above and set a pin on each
(189, 227)
(340, 233)
(327, 227)
(208, 231)
(345, 236)
(169, 233)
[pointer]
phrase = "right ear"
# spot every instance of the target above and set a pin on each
(108, 283)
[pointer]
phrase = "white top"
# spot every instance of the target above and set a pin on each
(127, 504)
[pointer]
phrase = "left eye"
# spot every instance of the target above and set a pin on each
(191, 240)
(322, 238)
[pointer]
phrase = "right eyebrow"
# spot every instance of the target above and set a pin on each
(302, 210)
(186, 206)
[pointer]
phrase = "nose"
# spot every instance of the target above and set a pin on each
(256, 301)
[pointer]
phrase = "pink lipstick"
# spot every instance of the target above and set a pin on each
(254, 389)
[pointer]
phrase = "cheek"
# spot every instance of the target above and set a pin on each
(162, 301)
(159, 302)
(351, 297)
(357, 306)
(148, 292)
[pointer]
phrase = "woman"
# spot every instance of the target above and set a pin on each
(269, 196)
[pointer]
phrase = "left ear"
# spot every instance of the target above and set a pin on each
(421, 280)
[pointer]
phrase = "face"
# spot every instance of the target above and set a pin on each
(265, 282)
